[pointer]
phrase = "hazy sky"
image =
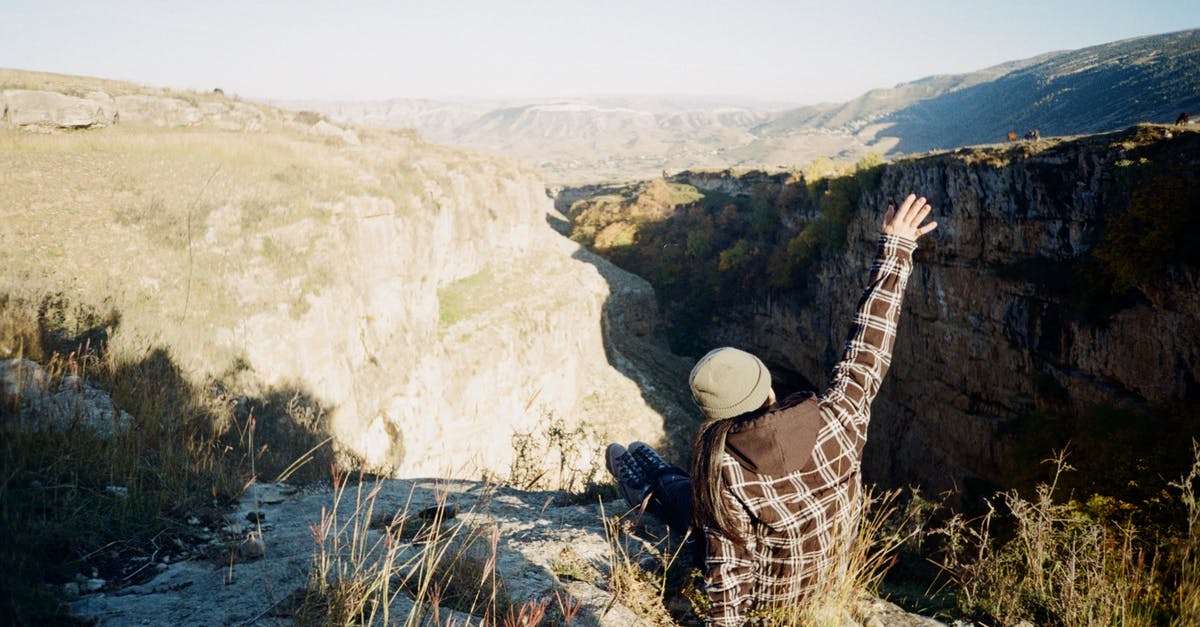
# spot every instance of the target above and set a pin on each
(800, 51)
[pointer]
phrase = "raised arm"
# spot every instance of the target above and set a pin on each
(868, 350)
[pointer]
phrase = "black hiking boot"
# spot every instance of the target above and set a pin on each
(629, 475)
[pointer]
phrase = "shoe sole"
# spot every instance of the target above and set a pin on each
(648, 451)
(611, 454)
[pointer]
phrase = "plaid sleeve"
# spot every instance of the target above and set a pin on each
(868, 349)
(729, 576)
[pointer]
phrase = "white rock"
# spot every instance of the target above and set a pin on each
(52, 109)
(325, 129)
(74, 403)
(253, 547)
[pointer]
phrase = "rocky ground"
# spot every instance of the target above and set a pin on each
(253, 566)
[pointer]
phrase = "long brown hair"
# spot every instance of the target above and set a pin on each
(708, 508)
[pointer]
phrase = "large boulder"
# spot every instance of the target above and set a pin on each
(32, 108)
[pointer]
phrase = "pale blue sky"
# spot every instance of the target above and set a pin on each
(799, 51)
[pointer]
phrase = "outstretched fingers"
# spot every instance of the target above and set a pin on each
(919, 213)
(912, 208)
(906, 221)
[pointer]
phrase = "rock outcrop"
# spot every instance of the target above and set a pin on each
(64, 402)
(48, 109)
(169, 111)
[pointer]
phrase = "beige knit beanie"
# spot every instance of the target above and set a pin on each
(728, 382)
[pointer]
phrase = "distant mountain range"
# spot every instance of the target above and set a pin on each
(1099, 88)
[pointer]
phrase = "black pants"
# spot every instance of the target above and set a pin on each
(671, 499)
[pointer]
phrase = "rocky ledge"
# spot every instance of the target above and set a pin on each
(254, 565)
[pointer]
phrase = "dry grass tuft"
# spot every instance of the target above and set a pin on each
(431, 565)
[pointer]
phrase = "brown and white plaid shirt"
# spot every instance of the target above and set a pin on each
(793, 472)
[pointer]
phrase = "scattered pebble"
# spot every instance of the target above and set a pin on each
(252, 547)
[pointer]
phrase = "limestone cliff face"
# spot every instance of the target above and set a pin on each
(985, 337)
(450, 329)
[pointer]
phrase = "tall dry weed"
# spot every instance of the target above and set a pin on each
(1051, 564)
(415, 566)
(1187, 589)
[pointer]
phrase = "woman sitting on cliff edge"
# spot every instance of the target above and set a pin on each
(777, 486)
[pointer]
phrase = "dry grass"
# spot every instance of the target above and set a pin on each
(73, 500)
(80, 85)
(431, 564)
(643, 575)
(1057, 565)
(1186, 598)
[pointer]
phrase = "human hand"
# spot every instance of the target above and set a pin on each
(906, 222)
